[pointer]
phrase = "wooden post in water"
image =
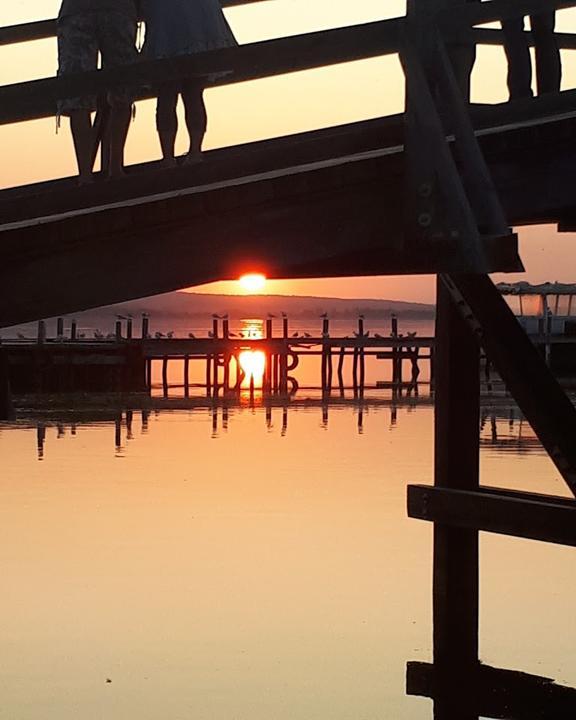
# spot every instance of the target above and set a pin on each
(60, 328)
(361, 357)
(129, 328)
(208, 375)
(145, 327)
(226, 355)
(270, 376)
(341, 357)
(186, 375)
(457, 446)
(74, 331)
(284, 357)
(165, 375)
(326, 357)
(118, 331)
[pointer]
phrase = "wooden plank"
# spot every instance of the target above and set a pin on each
(456, 466)
(527, 515)
(26, 32)
(37, 98)
(500, 694)
(518, 362)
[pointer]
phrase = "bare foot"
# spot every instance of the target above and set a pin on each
(168, 162)
(194, 157)
(85, 179)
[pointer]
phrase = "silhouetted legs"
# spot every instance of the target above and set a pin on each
(548, 63)
(83, 137)
(167, 120)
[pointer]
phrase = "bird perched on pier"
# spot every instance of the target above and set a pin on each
(170, 334)
(378, 336)
(220, 317)
(411, 334)
(270, 316)
(231, 334)
(283, 314)
(120, 317)
(98, 335)
(362, 335)
(324, 315)
(295, 335)
(210, 334)
(20, 336)
(307, 335)
(192, 336)
(158, 335)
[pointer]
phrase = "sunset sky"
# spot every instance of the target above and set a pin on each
(274, 107)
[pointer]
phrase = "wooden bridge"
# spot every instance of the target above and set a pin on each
(433, 191)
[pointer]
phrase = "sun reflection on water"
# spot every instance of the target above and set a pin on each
(252, 362)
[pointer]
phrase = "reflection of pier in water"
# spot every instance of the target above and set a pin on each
(502, 428)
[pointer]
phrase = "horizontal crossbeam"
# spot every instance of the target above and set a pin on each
(519, 514)
(26, 32)
(506, 694)
(36, 99)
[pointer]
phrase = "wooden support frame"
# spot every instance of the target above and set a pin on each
(538, 394)
(519, 514)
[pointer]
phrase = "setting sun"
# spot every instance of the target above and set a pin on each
(252, 283)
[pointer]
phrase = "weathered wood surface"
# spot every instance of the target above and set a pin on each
(341, 216)
(519, 514)
(505, 694)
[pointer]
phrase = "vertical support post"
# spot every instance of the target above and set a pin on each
(226, 355)
(118, 331)
(145, 327)
(165, 376)
(74, 331)
(341, 370)
(6, 409)
(129, 329)
(457, 446)
(186, 375)
(41, 332)
(60, 328)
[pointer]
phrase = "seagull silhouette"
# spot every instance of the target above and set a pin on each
(192, 336)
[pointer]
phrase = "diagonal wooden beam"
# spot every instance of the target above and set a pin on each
(538, 394)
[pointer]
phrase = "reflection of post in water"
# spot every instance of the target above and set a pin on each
(118, 431)
(40, 440)
(360, 419)
(129, 421)
(60, 431)
(268, 417)
(284, 421)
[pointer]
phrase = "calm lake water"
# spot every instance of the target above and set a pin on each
(249, 565)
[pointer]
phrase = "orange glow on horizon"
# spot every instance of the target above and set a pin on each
(252, 283)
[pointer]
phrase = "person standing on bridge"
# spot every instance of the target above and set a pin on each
(548, 62)
(87, 28)
(183, 27)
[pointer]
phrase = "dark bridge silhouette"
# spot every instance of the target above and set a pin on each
(434, 191)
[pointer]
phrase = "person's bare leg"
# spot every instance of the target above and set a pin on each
(83, 137)
(118, 132)
(167, 124)
(196, 121)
